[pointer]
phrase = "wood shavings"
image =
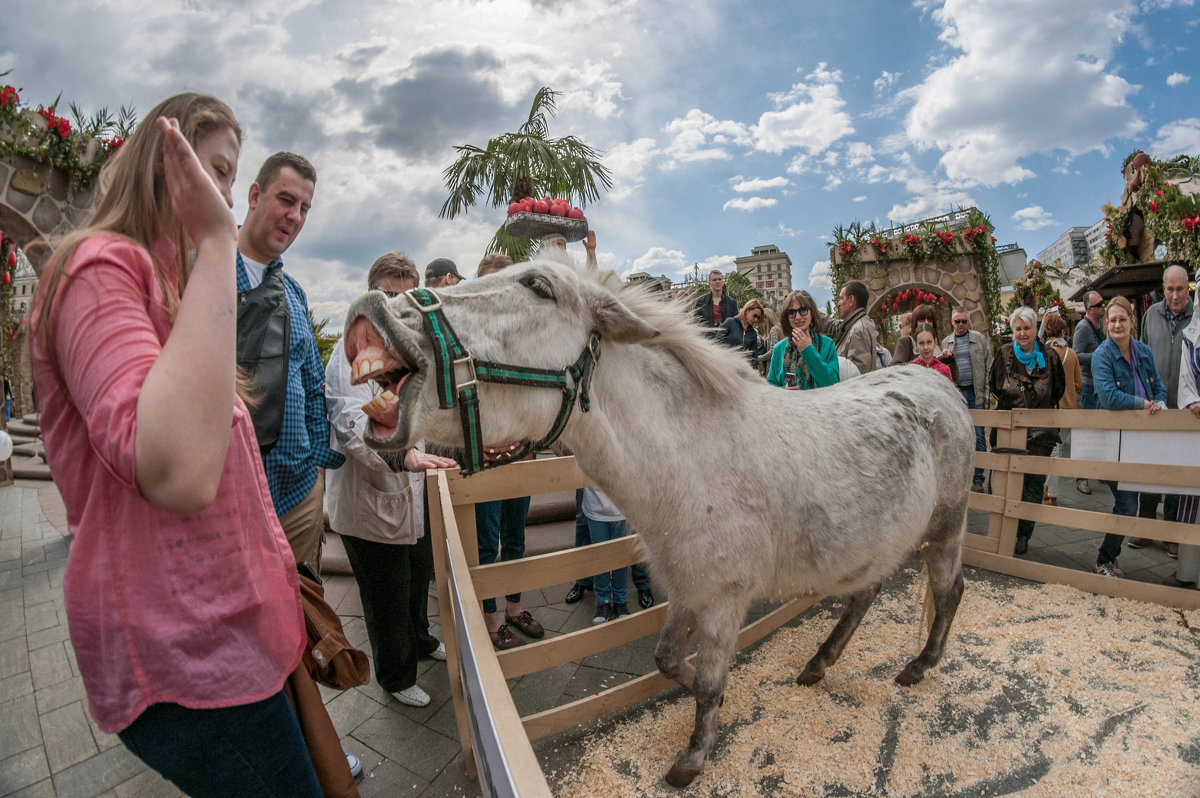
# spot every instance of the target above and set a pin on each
(1043, 690)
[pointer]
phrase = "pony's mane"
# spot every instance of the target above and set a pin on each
(718, 369)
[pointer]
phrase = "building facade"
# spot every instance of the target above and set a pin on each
(1069, 251)
(769, 270)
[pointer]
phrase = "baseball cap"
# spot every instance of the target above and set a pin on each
(440, 267)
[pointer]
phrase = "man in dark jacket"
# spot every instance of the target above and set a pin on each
(1162, 331)
(715, 306)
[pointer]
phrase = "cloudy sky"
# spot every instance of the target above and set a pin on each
(726, 125)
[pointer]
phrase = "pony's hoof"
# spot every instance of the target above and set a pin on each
(808, 678)
(681, 776)
(909, 676)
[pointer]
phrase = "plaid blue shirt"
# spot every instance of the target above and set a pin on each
(303, 443)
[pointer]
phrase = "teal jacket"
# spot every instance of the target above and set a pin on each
(820, 356)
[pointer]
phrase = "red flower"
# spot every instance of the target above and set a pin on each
(847, 247)
(1154, 205)
(12, 258)
(7, 278)
(1158, 193)
(9, 96)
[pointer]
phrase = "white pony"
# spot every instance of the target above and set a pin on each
(739, 490)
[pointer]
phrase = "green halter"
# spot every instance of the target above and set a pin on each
(458, 375)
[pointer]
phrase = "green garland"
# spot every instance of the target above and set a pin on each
(11, 322)
(81, 150)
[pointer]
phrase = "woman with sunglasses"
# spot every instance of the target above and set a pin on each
(804, 358)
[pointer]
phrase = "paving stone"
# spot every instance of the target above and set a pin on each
(23, 770)
(147, 784)
(350, 710)
(543, 690)
(55, 634)
(43, 789)
(60, 694)
(391, 779)
(16, 686)
(20, 730)
(102, 772)
(67, 737)
(452, 782)
(407, 743)
(40, 616)
(49, 665)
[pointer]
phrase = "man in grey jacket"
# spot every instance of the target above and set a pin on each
(1089, 334)
(854, 333)
(1162, 330)
(973, 354)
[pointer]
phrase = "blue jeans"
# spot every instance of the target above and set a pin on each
(641, 578)
(980, 442)
(252, 749)
(1125, 502)
(1087, 397)
(500, 529)
(611, 586)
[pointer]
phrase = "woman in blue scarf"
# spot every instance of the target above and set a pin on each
(1126, 378)
(1026, 374)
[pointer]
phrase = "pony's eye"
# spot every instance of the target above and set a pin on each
(539, 286)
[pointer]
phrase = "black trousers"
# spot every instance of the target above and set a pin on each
(393, 582)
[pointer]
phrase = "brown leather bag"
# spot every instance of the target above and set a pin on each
(320, 736)
(329, 658)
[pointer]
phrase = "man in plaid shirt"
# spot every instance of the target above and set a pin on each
(289, 415)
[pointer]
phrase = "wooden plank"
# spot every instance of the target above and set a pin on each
(1163, 421)
(597, 706)
(1012, 492)
(1146, 473)
(556, 567)
(1130, 526)
(1000, 419)
(523, 766)
(980, 542)
(523, 478)
(991, 460)
(986, 502)
(1083, 580)
(464, 524)
(582, 643)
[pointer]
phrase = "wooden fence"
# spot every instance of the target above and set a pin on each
(496, 738)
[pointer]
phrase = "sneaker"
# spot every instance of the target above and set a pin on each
(355, 765)
(621, 609)
(1022, 546)
(504, 639)
(413, 696)
(1172, 550)
(604, 613)
(1137, 543)
(1081, 485)
(645, 598)
(1109, 569)
(439, 653)
(526, 623)
(576, 593)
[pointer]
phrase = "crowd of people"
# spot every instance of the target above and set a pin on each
(196, 437)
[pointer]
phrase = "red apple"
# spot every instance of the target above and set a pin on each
(558, 209)
(541, 206)
(514, 207)
(527, 205)
(574, 213)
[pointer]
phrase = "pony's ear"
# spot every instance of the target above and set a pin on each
(617, 323)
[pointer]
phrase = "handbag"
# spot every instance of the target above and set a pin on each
(329, 658)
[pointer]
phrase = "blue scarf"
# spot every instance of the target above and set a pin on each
(1030, 360)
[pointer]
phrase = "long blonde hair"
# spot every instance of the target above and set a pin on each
(135, 205)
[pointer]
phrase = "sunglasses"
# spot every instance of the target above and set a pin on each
(391, 294)
(1097, 305)
(960, 321)
(797, 311)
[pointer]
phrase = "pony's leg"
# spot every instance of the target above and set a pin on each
(943, 558)
(670, 655)
(831, 649)
(717, 638)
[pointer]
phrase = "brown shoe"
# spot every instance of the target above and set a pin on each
(504, 639)
(526, 623)
(1173, 581)
(1051, 501)
(1137, 543)
(1172, 550)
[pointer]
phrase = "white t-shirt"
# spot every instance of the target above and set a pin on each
(254, 271)
(598, 507)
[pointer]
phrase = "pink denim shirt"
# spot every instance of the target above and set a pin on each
(201, 609)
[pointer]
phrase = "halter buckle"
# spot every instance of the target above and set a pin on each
(472, 379)
(437, 301)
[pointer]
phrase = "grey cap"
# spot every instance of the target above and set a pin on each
(440, 267)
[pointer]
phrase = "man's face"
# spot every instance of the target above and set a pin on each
(961, 325)
(1095, 308)
(445, 281)
(278, 212)
(716, 283)
(845, 303)
(1175, 290)
(394, 286)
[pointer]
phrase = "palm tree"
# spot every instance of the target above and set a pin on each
(524, 164)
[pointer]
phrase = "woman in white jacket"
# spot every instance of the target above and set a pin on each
(377, 507)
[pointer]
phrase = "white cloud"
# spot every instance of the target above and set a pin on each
(885, 81)
(659, 260)
(810, 115)
(628, 162)
(699, 136)
(1001, 98)
(1033, 217)
(743, 185)
(821, 276)
(860, 198)
(932, 202)
(859, 154)
(749, 203)
(1181, 137)
(1176, 78)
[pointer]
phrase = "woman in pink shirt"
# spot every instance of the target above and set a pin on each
(180, 589)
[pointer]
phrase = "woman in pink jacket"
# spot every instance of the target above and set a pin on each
(180, 589)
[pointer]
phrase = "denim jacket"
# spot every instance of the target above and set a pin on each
(1113, 376)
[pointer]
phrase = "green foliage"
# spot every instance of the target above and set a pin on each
(527, 163)
(738, 286)
(325, 341)
(1034, 289)
(1172, 217)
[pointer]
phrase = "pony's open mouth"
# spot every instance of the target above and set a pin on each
(390, 375)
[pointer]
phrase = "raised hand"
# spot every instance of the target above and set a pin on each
(417, 460)
(195, 198)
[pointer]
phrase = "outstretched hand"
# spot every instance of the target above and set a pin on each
(417, 460)
(801, 338)
(195, 198)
